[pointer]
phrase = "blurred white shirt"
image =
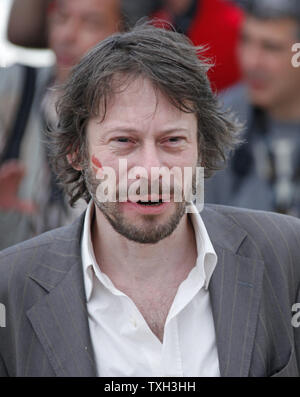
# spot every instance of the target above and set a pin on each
(123, 343)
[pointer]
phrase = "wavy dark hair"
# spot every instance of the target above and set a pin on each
(172, 64)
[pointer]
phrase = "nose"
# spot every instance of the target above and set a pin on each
(143, 163)
(150, 158)
(146, 167)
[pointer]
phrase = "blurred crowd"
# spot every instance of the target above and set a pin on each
(249, 43)
(264, 173)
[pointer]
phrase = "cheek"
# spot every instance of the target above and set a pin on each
(189, 160)
(194, 154)
(245, 58)
(87, 40)
(96, 164)
(286, 87)
(101, 167)
(277, 66)
(55, 32)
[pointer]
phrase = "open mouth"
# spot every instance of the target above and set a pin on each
(150, 203)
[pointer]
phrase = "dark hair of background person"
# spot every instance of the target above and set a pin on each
(172, 64)
(272, 9)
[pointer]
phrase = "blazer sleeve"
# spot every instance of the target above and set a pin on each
(297, 337)
(3, 370)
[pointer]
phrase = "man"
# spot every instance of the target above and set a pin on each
(27, 107)
(139, 286)
(264, 172)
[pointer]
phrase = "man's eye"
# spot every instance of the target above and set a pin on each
(174, 140)
(273, 47)
(123, 140)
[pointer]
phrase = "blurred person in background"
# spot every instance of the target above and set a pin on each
(212, 23)
(264, 173)
(30, 199)
(29, 29)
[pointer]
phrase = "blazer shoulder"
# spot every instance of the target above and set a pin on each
(251, 220)
(268, 232)
(20, 259)
(270, 237)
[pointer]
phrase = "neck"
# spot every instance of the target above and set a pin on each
(128, 263)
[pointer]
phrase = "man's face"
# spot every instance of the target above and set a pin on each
(75, 26)
(265, 56)
(144, 128)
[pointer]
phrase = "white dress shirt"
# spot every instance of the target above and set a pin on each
(123, 343)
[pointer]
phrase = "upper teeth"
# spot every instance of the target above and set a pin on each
(150, 202)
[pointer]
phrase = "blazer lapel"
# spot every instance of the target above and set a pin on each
(60, 318)
(235, 291)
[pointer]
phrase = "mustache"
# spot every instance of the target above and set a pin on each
(142, 188)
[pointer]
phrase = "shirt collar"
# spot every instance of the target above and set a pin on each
(206, 255)
(87, 251)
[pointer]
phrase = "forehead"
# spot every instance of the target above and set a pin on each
(283, 29)
(138, 103)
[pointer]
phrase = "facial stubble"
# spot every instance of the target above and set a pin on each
(150, 232)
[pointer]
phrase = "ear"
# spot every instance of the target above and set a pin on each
(72, 160)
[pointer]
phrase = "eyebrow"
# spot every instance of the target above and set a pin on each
(135, 130)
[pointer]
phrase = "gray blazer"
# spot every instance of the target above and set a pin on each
(252, 290)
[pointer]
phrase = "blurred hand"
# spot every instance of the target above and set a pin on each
(11, 175)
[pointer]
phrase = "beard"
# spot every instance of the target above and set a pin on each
(150, 232)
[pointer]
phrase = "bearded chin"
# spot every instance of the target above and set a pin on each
(150, 232)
